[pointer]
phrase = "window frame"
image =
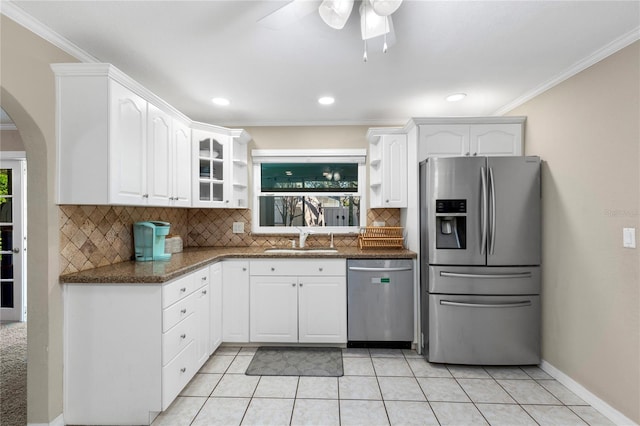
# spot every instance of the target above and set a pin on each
(260, 156)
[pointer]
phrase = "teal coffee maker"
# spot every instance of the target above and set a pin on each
(148, 238)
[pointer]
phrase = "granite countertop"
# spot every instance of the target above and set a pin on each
(194, 258)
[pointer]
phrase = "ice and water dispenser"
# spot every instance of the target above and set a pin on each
(451, 224)
(149, 238)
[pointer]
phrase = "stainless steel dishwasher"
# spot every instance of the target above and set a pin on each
(380, 303)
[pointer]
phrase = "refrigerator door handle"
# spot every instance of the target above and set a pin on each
(487, 305)
(492, 231)
(487, 276)
(484, 218)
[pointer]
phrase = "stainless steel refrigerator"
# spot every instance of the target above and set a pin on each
(480, 260)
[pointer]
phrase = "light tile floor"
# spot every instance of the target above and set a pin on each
(380, 387)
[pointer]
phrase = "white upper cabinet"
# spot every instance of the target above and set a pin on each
(453, 137)
(118, 143)
(220, 168)
(128, 147)
(387, 168)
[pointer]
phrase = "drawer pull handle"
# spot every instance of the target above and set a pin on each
(183, 369)
(183, 311)
(183, 289)
(183, 336)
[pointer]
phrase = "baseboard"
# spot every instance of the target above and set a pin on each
(605, 409)
(58, 421)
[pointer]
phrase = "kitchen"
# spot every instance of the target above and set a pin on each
(575, 216)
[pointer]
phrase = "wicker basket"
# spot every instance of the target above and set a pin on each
(381, 237)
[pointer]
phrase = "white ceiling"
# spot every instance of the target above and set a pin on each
(187, 52)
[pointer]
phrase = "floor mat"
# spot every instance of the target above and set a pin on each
(292, 361)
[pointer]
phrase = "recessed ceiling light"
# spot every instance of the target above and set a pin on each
(326, 100)
(221, 101)
(456, 97)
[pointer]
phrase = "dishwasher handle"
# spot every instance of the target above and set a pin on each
(368, 269)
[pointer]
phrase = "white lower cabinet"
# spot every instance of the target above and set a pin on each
(235, 301)
(298, 301)
(129, 349)
(215, 304)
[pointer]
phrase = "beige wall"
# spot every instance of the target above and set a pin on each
(308, 137)
(587, 132)
(10, 140)
(28, 96)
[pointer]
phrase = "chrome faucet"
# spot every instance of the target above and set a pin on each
(303, 237)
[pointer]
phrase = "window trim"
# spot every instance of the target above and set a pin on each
(260, 156)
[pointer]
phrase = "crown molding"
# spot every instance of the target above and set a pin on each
(600, 54)
(15, 13)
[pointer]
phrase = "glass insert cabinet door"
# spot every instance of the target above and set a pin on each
(12, 242)
(211, 168)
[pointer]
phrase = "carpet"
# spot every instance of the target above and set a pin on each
(13, 374)
(292, 361)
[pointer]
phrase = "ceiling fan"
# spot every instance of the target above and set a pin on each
(375, 16)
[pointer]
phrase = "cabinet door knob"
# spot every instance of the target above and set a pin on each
(273, 269)
(386, 201)
(204, 291)
(244, 269)
(320, 269)
(466, 154)
(475, 153)
(183, 369)
(145, 196)
(183, 311)
(300, 284)
(183, 289)
(293, 285)
(204, 278)
(226, 201)
(183, 336)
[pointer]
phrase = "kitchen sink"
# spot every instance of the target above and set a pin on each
(299, 251)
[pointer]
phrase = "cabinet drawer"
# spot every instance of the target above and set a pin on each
(176, 339)
(177, 374)
(298, 267)
(201, 277)
(178, 311)
(178, 289)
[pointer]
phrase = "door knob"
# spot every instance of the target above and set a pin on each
(16, 250)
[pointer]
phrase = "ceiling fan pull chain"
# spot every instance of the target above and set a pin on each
(364, 58)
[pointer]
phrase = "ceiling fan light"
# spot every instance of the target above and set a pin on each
(371, 24)
(335, 13)
(385, 7)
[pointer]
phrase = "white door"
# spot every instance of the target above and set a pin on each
(446, 140)
(235, 301)
(273, 309)
(204, 323)
(159, 135)
(13, 247)
(394, 175)
(128, 156)
(181, 165)
(323, 309)
(215, 291)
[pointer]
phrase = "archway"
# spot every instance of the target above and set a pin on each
(44, 309)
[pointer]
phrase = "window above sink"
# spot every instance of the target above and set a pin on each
(316, 190)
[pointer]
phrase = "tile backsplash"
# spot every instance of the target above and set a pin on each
(92, 236)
